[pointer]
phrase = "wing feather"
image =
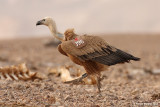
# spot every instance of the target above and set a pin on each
(60, 50)
(97, 49)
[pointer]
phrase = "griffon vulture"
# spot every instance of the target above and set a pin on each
(91, 52)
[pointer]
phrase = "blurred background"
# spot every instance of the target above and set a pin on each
(130, 25)
(18, 17)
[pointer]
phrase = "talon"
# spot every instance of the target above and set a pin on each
(73, 81)
(78, 80)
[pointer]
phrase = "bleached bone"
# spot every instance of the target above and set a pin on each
(8, 77)
(17, 72)
(2, 77)
(66, 76)
(14, 77)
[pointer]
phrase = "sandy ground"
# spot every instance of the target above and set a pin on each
(132, 84)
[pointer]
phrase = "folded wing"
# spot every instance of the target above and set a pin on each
(98, 50)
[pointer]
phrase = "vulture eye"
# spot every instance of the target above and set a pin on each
(43, 20)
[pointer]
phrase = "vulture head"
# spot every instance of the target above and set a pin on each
(50, 23)
(45, 21)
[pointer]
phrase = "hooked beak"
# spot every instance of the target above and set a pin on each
(39, 23)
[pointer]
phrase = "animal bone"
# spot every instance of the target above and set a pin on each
(65, 75)
(18, 72)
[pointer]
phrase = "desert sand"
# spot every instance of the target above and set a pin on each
(124, 85)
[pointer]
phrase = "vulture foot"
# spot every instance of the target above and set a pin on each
(78, 80)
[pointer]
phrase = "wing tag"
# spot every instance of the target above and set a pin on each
(78, 42)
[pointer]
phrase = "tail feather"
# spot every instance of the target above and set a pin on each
(126, 56)
(136, 58)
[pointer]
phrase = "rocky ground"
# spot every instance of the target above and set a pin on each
(133, 84)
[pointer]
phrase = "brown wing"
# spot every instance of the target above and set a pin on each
(97, 49)
(61, 51)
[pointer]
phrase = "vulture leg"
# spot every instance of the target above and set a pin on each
(99, 79)
(78, 80)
